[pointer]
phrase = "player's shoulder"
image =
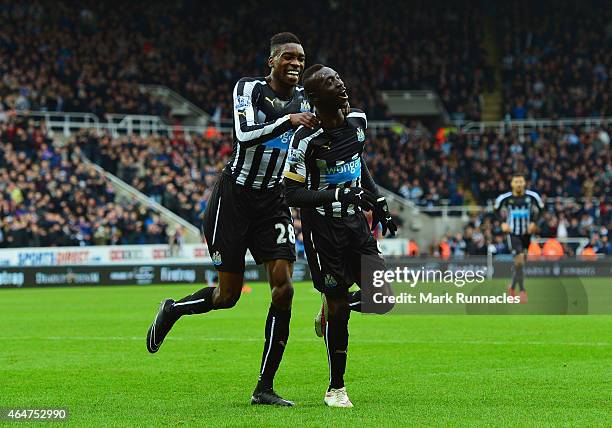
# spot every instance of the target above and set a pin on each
(304, 132)
(261, 80)
(250, 83)
(304, 135)
(301, 99)
(536, 196)
(247, 92)
(532, 193)
(501, 198)
(358, 117)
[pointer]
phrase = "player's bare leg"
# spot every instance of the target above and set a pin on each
(224, 296)
(276, 332)
(336, 341)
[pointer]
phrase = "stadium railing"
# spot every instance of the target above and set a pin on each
(179, 104)
(527, 125)
(116, 124)
(192, 234)
(121, 124)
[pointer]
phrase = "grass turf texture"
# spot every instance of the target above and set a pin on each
(84, 349)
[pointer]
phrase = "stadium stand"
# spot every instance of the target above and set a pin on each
(570, 220)
(90, 58)
(50, 197)
(175, 172)
(556, 59)
(572, 174)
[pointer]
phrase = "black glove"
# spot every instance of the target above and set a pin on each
(381, 214)
(356, 196)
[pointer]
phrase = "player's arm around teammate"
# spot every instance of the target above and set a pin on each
(247, 209)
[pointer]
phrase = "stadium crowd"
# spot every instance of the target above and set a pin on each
(50, 197)
(175, 172)
(565, 162)
(571, 167)
(58, 200)
(90, 57)
(556, 58)
(592, 222)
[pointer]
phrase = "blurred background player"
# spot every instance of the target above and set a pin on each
(247, 208)
(519, 211)
(328, 179)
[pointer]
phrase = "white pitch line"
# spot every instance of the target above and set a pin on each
(357, 341)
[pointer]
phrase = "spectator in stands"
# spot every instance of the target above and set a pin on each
(556, 61)
(96, 64)
(50, 197)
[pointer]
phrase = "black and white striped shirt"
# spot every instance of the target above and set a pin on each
(520, 210)
(325, 159)
(263, 131)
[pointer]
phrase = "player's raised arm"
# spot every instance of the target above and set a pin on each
(248, 130)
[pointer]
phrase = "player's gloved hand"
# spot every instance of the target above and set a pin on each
(382, 215)
(356, 196)
(306, 119)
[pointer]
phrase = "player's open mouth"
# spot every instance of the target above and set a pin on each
(343, 95)
(293, 73)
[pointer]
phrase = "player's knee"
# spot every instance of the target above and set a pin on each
(227, 300)
(282, 295)
(338, 309)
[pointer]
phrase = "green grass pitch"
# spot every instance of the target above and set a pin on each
(84, 349)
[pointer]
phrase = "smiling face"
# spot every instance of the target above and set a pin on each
(327, 89)
(287, 63)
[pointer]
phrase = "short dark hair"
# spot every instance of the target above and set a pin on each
(282, 38)
(308, 73)
(519, 173)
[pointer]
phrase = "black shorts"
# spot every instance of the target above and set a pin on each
(518, 244)
(340, 251)
(237, 218)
